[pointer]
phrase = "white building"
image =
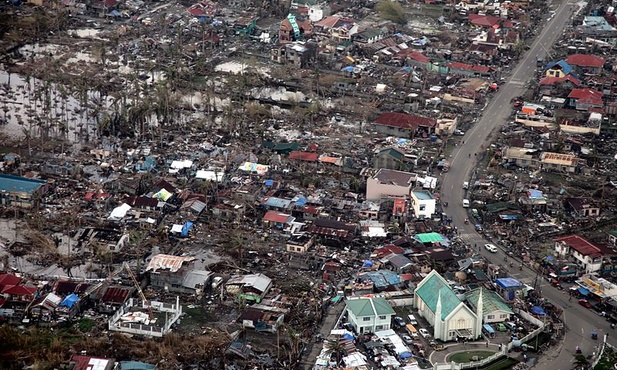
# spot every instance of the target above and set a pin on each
(444, 310)
(318, 12)
(368, 315)
(587, 256)
(390, 183)
(423, 203)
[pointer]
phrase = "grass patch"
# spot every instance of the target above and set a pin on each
(86, 324)
(463, 357)
(501, 364)
(609, 357)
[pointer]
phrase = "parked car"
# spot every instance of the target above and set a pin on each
(407, 339)
(399, 322)
(424, 333)
(585, 303)
(412, 320)
(491, 248)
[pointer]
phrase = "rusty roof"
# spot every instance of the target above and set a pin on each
(167, 262)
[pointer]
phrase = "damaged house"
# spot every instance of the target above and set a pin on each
(177, 274)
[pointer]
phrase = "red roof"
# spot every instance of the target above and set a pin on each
(98, 196)
(274, 216)
(580, 244)
(85, 363)
(469, 67)
(116, 295)
(413, 54)
(310, 210)
(550, 81)
(585, 60)
(304, 156)
(399, 205)
(386, 250)
(586, 95)
(404, 120)
(8, 279)
(483, 20)
(19, 290)
(110, 3)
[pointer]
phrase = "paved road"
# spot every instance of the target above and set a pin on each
(579, 320)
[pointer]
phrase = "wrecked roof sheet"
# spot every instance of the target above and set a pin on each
(167, 262)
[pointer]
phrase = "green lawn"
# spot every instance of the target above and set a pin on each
(609, 357)
(467, 356)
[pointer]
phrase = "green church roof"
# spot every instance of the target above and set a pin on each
(430, 289)
(491, 301)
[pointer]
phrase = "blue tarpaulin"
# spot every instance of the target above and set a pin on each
(583, 290)
(186, 228)
(70, 300)
(348, 336)
(269, 182)
(550, 258)
(368, 263)
(405, 355)
(301, 201)
(348, 69)
(537, 310)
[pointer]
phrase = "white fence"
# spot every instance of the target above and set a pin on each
(480, 363)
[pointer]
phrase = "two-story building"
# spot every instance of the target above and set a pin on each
(582, 207)
(390, 183)
(423, 203)
(586, 63)
(403, 124)
(584, 99)
(586, 255)
(368, 315)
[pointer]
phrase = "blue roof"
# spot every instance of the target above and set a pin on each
(565, 67)
(506, 283)
(70, 300)
(278, 202)
(18, 184)
(383, 278)
(186, 228)
(537, 310)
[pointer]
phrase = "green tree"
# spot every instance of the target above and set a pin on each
(392, 11)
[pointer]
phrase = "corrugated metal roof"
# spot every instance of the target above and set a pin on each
(167, 262)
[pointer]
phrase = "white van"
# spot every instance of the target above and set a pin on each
(465, 203)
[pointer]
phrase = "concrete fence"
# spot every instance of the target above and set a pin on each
(480, 363)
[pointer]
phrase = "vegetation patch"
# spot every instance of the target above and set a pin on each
(469, 356)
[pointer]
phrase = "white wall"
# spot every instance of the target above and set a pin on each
(372, 325)
(375, 189)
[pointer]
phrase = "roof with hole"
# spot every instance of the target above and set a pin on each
(491, 301)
